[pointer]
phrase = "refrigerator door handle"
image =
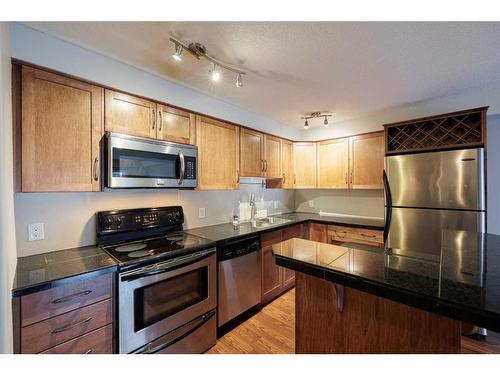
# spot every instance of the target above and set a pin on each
(388, 205)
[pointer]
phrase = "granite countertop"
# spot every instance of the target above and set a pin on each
(460, 280)
(48, 270)
(226, 231)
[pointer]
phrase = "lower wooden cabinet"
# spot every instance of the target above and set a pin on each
(275, 279)
(69, 319)
(339, 234)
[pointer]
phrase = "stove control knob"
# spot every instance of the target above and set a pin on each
(177, 215)
(169, 216)
(107, 223)
(118, 221)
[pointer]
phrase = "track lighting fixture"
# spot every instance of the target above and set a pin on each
(199, 51)
(315, 115)
(239, 82)
(178, 53)
(214, 74)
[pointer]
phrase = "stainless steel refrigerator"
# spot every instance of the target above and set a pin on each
(428, 192)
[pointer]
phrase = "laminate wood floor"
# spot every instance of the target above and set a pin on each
(272, 331)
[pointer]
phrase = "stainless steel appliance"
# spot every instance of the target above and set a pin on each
(167, 283)
(430, 192)
(239, 277)
(134, 162)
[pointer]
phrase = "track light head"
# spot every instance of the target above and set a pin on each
(178, 53)
(325, 123)
(239, 82)
(306, 125)
(215, 74)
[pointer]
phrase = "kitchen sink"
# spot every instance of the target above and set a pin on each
(269, 222)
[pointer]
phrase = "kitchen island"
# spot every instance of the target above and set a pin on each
(364, 299)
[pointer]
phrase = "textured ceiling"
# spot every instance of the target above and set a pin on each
(348, 68)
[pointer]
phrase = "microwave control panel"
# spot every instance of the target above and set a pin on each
(190, 171)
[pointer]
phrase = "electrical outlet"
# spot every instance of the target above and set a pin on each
(201, 212)
(35, 232)
(276, 204)
(311, 203)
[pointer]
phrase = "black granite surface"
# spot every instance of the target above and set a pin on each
(48, 270)
(223, 232)
(460, 280)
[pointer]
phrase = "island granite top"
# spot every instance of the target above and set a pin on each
(461, 280)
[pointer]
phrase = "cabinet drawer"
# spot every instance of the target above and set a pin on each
(48, 303)
(340, 233)
(50, 332)
(291, 232)
(271, 238)
(99, 341)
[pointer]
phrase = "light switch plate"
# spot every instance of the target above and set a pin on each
(311, 203)
(36, 232)
(276, 204)
(201, 212)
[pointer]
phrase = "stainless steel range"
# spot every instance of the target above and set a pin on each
(167, 291)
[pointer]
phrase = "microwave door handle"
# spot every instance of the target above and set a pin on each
(183, 167)
(168, 266)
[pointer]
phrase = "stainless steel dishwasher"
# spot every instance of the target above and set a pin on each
(239, 277)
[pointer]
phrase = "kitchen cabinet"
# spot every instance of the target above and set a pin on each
(275, 279)
(61, 128)
(304, 165)
(175, 125)
(130, 114)
(338, 234)
(366, 161)
(318, 232)
(252, 153)
(218, 154)
(73, 318)
(287, 164)
(272, 156)
(333, 164)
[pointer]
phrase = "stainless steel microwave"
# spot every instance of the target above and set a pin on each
(134, 162)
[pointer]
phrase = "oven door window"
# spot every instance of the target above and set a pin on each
(144, 164)
(165, 298)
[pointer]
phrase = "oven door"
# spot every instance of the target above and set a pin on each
(134, 162)
(157, 299)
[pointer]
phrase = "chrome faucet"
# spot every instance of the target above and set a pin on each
(252, 209)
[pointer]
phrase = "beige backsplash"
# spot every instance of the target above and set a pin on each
(69, 218)
(349, 202)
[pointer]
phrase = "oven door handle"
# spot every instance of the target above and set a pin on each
(167, 266)
(168, 341)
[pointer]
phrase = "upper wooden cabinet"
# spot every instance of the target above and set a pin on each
(287, 164)
(175, 125)
(333, 164)
(272, 156)
(129, 114)
(304, 165)
(366, 161)
(61, 128)
(218, 154)
(251, 153)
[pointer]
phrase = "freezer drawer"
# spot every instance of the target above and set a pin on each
(446, 179)
(420, 232)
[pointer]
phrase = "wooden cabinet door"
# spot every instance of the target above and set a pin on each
(287, 164)
(218, 154)
(272, 160)
(304, 165)
(333, 164)
(129, 114)
(272, 275)
(175, 125)
(366, 161)
(61, 129)
(318, 232)
(251, 153)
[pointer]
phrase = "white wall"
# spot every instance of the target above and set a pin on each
(493, 175)
(7, 232)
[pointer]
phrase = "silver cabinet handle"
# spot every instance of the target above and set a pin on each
(351, 177)
(71, 297)
(159, 121)
(237, 176)
(284, 179)
(262, 165)
(265, 165)
(346, 178)
(154, 118)
(183, 168)
(294, 179)
(69, 326)
(96, 176)
(368, 235)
